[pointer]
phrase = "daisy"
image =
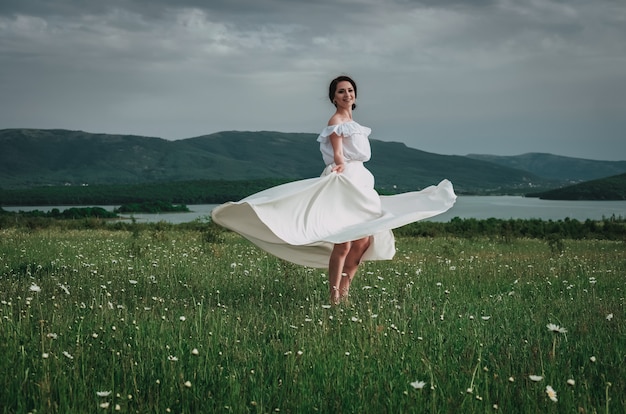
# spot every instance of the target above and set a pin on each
(34, 288)
(556, 328)
(551, 393)
(103, 393)
(535, 378)
(418, 385)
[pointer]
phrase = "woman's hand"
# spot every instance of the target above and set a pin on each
(338, 168)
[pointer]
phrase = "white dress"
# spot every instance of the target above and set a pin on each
(302, 220)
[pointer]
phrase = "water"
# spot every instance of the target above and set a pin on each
(516, 207)
(478, 207)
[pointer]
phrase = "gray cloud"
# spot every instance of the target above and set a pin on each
(493, 76)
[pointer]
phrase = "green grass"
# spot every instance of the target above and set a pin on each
(124, 311)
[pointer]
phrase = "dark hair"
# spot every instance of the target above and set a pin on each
(333, 88)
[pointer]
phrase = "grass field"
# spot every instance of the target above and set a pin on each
(167, 321)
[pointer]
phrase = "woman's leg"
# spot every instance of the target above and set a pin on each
(336, 265)
(351, 264)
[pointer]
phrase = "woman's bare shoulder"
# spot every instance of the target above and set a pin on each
(336, 120)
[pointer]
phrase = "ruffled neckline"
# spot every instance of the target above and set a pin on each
(345, 128)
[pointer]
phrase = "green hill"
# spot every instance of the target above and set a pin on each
(549, 166)
(34, 158)
(610, 188)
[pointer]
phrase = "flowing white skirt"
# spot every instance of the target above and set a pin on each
(302, 220)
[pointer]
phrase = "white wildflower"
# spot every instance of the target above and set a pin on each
(418, 385)
(551, 393)
(556, 328)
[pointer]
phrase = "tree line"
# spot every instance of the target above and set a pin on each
(182, 192)
(609, 228)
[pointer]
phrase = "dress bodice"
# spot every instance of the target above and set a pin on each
(356, 145)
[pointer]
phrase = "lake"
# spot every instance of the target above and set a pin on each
(478, 207)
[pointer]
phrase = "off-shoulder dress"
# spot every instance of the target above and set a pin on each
(301, 221)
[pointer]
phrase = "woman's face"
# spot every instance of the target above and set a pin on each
(344, 95)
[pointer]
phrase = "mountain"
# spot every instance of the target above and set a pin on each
(609, 188)
(32, 157)
(557, 167)
(55, 157)
(35, 157)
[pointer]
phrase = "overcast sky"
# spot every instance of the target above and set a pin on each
(501, 77)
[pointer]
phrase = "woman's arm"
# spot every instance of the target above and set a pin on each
(337, 143)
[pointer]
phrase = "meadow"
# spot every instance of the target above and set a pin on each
(185, 320)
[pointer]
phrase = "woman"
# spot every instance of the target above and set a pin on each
(345, 257)
(336, 220)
